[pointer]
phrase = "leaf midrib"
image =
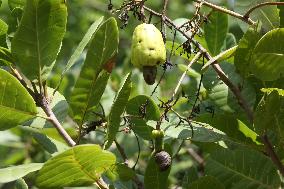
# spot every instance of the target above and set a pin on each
(241, 174)
(93, 83)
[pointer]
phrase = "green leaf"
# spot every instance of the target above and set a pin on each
(49, 144)
(205, 183)
(117, 109)
(269, 90)
(6, 58)
(140, 127)
(3, 32)
(177, 50)
(244, 51)
(269, 113)
(243, 169)
(281, 14)
(15, 172)
(78, 51)
(79, 166)
(120, 172)
(267, 15)
(230, 41)
(86, 96)
(216, 31)
(92, 81)
(268, 56)
(234, 128)
(16, 104)
(221, 95)
(220, 57)
(59, 107)
(190, 176)
(39, 36)
(16, 4)
(154, 178)
(201, 132)
(189, 71)
(143, 103)
(21, 184)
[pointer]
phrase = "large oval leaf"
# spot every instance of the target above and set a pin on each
(117, 109)
(234, 128)
(244, 51)
(243, 169)
(269, 113)
(268, 56)
(92, 81)
(143, 104)
(221, 95)
(16, 104)
(15, 172)
(80, 166)
(205, 183)
(3, 32)
(267, 15)
(216, 31)
(78, 51)
(39, 36)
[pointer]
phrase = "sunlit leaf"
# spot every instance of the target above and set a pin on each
(117, 109)
(3, 32)
(79, 166)
(268, 56)
(267, 15)
(243, 169)
(93, 78)
(216, 31)
(39, 36)
(16, 104)
(243, 57)
(15, 172)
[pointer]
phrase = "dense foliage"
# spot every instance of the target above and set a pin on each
(74, 111)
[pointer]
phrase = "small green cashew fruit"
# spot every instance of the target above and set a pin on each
(147, 50)
(158, 133)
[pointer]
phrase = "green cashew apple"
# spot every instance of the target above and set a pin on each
(147, 50)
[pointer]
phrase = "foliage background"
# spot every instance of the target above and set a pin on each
(18, 147)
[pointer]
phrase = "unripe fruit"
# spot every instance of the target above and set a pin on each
(163, 160)
(147, 50)
(158, 133)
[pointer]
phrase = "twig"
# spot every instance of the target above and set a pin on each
(22, 81)
(52, 118)
(272, 154)
(195, 58)
(165, 7)
(101, 184)
(246, 15)
(242, 102)
(226, 11)
(122, 152)
(195, 156)
(200, 160)
(139, 151)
